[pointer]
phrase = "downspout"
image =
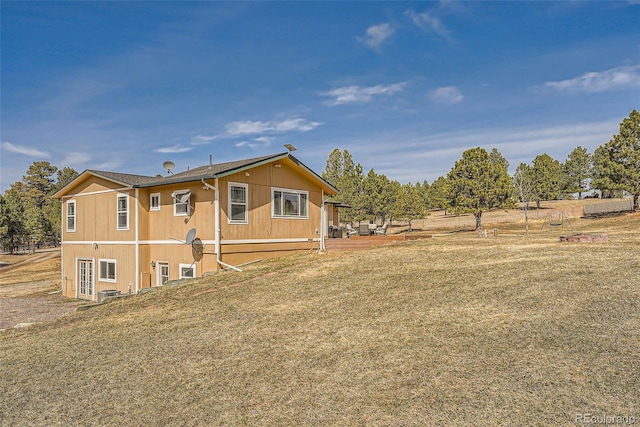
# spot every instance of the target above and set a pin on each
(137, 245)
(216, 222)
(323, 215)
(62, 228)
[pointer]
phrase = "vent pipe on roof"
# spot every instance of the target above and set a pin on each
(210, 161)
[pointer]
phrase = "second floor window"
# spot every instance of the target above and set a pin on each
(71, 215)
(154, 203)
(181, 203)
(123, 212)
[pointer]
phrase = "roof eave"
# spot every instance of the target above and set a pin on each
(61, 193)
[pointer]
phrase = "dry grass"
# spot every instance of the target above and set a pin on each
(32, 268)
(454, 330)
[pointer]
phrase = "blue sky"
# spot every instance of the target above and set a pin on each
(406, 87)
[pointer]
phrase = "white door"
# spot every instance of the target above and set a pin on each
(85, 278)
(162, 273)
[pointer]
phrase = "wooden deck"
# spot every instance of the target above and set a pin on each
(362, 243)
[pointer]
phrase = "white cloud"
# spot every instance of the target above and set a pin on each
(265, 140)
(428, 22)
(446, 95)
(254, 127)
(75, 158)
(174, 149)
(361, 95)
(31, 152)
(202, 139)
(376, 35)
(109, 165)
(615, 78)
(249, 127)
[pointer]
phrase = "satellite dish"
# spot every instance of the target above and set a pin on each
(191, 234)
(184, 198)
(169, 165)
(197, 249)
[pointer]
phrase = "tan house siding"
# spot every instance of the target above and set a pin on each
(123, 255)
(155, 238)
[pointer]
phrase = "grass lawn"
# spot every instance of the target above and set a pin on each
(452, 330)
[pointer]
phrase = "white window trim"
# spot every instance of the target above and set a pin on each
(151, 207)
(288, 190)
(176, 202)
(126, 197)
(75, 216)
(246, 203)
(115, 270)
(192, 266)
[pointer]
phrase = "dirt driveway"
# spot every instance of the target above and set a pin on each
(25, 285)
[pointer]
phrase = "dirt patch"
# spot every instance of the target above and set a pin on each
(585, 238)
(25, 287)
(34, 309)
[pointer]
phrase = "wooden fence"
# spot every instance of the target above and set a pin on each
(609, 207)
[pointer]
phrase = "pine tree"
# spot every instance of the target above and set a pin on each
(547, 178)
(408, 204)
(577, 171)
(342, 172)
(477, 184)
(617, 163)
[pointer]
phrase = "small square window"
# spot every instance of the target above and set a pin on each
(187, 271)
(107, 270)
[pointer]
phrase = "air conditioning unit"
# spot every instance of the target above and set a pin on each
(107, 293)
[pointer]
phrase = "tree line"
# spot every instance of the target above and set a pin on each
(480, 181)
(29, 215)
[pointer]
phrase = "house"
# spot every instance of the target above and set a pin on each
(128, 232)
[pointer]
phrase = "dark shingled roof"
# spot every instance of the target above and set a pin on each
(196, 174)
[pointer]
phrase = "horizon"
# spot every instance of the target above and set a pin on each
(405, 87)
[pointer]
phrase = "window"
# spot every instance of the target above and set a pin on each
(107, 270)
(181, 203)
(154, 203)
(290, 203)
(187, 271)
(71, 215)
(123, 212)
(238, 205)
